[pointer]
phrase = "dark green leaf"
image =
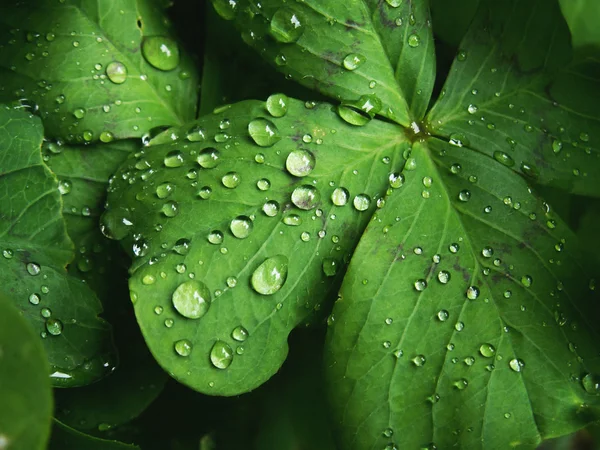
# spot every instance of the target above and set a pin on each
(83, 174)
(65, 438)
(94, 69)
(513, 94)
(24, 384)
(405, 30)
(583, 17)
(451, 19)
(465, 318)
(36, 249)
(184, 218)
(332, 47)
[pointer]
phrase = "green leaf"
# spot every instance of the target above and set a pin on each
(335, 48)
(24, 384)
(513, 94)
(94, 70)
(83, 174)
(36, 249)
(465, 319)
(405, 30)
(451, 19)
(582, 17)
(66, 438)
(179, 219)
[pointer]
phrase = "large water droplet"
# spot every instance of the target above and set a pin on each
(277, 105)
(591, 384)
(263, 132)
(33, 268)
(306, 197)
(116, 72)
(241, 227)
(161, 52)
(362, 202)
(340, 196)
(396, 180)
(54, 327)
(174, 159)
(472, 292)
(286, 25)
(361, 111)
(191, 299)
(300, 163)
(165, 189)
(443, 276)
(209, 158)
(270, 276)
(420, 285)
(221, 355)
(271, 208)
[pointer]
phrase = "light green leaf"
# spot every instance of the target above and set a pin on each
(24, 384)
(474, 326)
(332, 47)
(94, 69)
(66, 438)
(36, 249)
(583, 17)
(513, 94)
(405, 30)
(194, 283)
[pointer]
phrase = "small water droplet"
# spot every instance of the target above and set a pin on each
(516, 364)
(362, 202)
(271, 208)
(54, 327)
(33, 268)
(231, 180)
(487, 350)
(183, 347)
(420, 285)
(464, 195)
(472, 292)
(419, 360)
(208, 158)
(170, 208)
(340, 196)
(443, 315)
(504, 158)
(443, 276)
(330, 267)
(174, 159)
(239, 333)
(353, 61)
(414, 40)
(277, 105)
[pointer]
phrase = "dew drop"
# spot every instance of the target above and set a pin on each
(340, 196)
(306, 197)
(443, 315)
(396, 180)
(362, 202)
(161, 52)
(174, 159)
(208, 158)
(239, 333)
(504, 158)
(170, 208)
(487, 350)
(464, 195)
(286, 25)
(472, 292)
(270, 276)
(183, 347)
(116, 72)
(419, 360)
(516, 364)
(231, 180)
(33, 268)
(241, 227)
(591, 384)
(54, 327)
(191, 299)
(277, 105)
(221, 355)
(443, 276)
(353, 61)
(330, 267)
(420, 285)
(263, 132)
(271, 208)
(300, 163)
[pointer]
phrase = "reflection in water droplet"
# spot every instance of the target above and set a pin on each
(277, 105)
(443, 276)
(174, 159)
(339, 196)
(263, 132)
(231, 180)
(362, 202)
(221, 355)
(516, 364)
(161, 52)
(270, 276)
(300, 163)
(33, 268)
(286, 25)
(183, 347)
(239, 333)
(591, 384)
(116, 72)
(420, 285)
(306, 197)
(504, 158)
(353, 61)
(191, 299)
(472, 292)
(396, 180)
(241, 227)
(419, 360)
(208, 158)
(271, 208)
(487, 350)
(443, 315)
(330, 267)
(54, 327)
